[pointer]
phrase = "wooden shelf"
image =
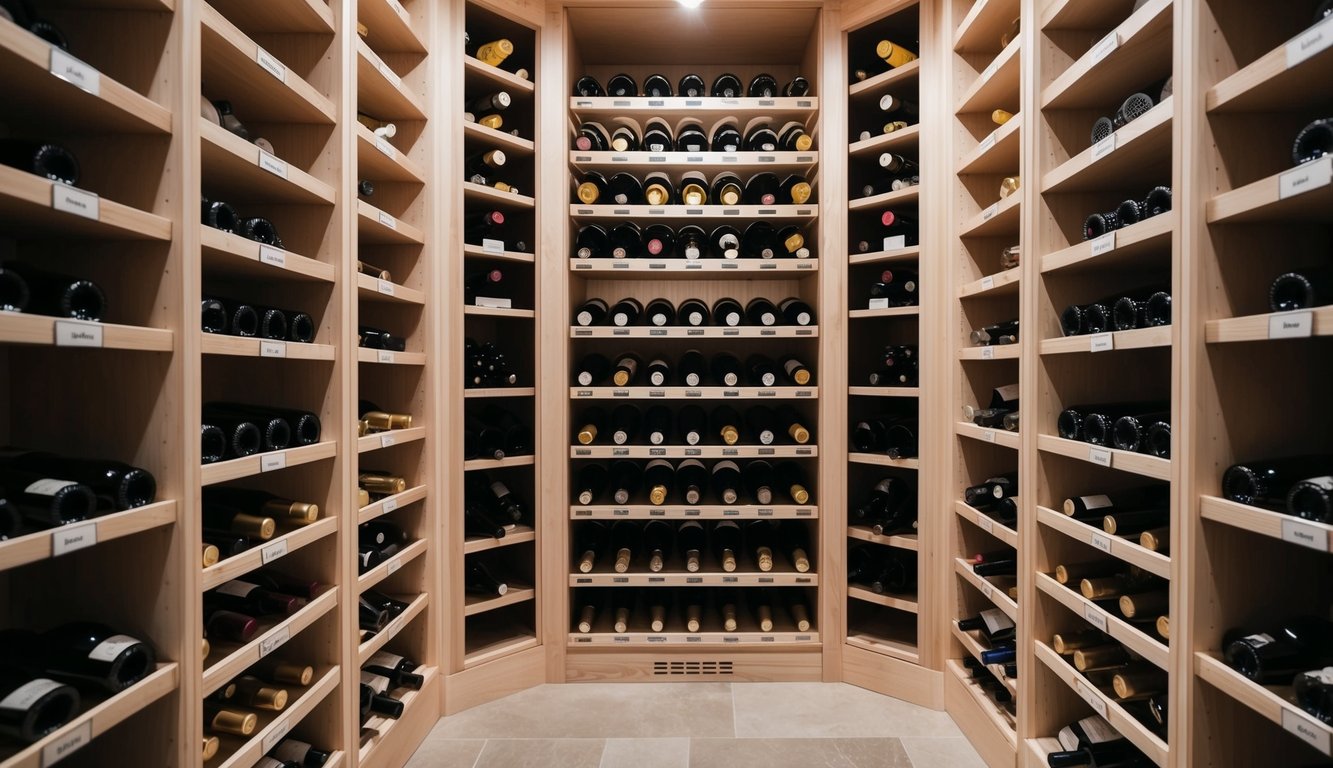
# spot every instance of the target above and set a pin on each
(1143, 143)
(511, 144)
(997, 84)
(95, 720)
(261, 87)
(1000, 284)
(974, 649)
(904, 139)
(695, 451)
(475, 604)
(380, 90)
(693, 393)
(36, 546)
(476, 70)
(47, 331)
(896, 78)
(25, 68)
(236, 166)
(386, 726)
(714, 639)
(470, 393)
(303, 16)
(1000, 218)
(478, 251)
(981, 28)
(505, 463)
(1001, 722)
(415, 606)
(879, 460)
(497, 645)
(1269, 83)
(1298, 194)
(1131, 244)
(987, 435)
(986, 523)
(884, 646)
(1272, 703)
(238, 659)
(696, 512)
(646, 162)
(1110, 623)
(1135, 52)
(235, 469)
(990, 352)
(249, 346)
(912, 253)
(1275, 525)
(780, 109)
(384, 570)
(998, 153)
(521, 534)
(389, 357)
(377, 227)
(1076, 14)
(1139, 338)
(709, 332)
(697, 213)
(994, 594)
(388, 438)
(378, 159)
(510, 314)
(273, 725)
(1122, 721)
(374, 289)
(1315, 322)
(1125, 461)
(897, 541)
(231, 254)
(866, 314)
(1115, 546)
(888, 601)
(681, 578)
(478, 193)
(390, 26)
(27, 205)
(269, 552)
(898, 197)
(884, 391)
(677, 269)
(389, 503)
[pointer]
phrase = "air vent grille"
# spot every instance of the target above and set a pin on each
(682, 668)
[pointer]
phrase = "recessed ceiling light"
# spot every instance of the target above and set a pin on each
(691, 3)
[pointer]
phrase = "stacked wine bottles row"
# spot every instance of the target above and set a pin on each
(694, 189)
(724, 546)
(760, 240)
(692, 482)
(692, 611)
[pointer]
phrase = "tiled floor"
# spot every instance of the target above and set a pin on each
(697, 725)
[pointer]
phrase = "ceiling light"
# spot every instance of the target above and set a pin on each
(691, 3)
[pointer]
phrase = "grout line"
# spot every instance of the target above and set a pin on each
(735, 732)
(601, 761)
(477, 759)
(689, 743)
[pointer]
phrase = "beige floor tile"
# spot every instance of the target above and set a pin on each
(646, 753)
(541, 753)
(942, 753)
(446, 753)
(600, 710)
(831, 710)
(797, 753)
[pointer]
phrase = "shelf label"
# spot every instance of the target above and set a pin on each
(1312, 175)
(988, 435)
(72, 538)
(75, 72)
(987, 282)
(987, 590)
(1091, 696)
(1303, 46)
(67, 199)
(620, 452)
(1100, 456)
(1104, 147)
(1291, 325)
(272, 349)
(986, 143)
(274, 256)
(990, 212)
(389, 505)
(491, 245)
(1101, 342)
(397, 8)
(1105, 47)
(1103, 244)
(387, 220)
(68, 743)
(1306, 535)
(731, 393)
(803, 452)
(276, 733)
(657, 452)
(388, 72)
(985, 524)
(385, 356)
(693, 452)
(878, 304)
(1095, 617)
(383, 145)
(766, 393)
(75, 333)
(657, 393)
(270, 64)
(1306, 729)
(1102, 541)
(272, 164)
(582, 451)
(273, 551)
(384, 286)
(988, 353)
(387, 440)
(271, 461)
(392, 566)
(274, 641)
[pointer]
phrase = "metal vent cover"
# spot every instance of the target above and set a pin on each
(681, 668)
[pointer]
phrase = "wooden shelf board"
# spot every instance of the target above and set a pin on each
(375, 226)
(230, 66)
(389, 503)
(1081, 15)
(998, 153)
(996, 595)
(668, 269)
(696, 512)
(647, 162)
(884, 391)
(898, 197)
(235, 469)
(1000, 284)
(506, 644)
(302, 16)
(25, 63)
(479, 252)
(511, 144)
(240, 658)
(1142, 52)
(389, 357)
(1124, 632)
(888, 601)
(912, 253)
(996, 84)
(390, 26)
(701, 639)
(986, 523)
(232, 254)
(47, 331)
(379, 160)
(1268, 84)
(898, 77)
(1125, 461)
(884, 646)
(380, 90)
(415, 606)
(1275, 525)
(39, 545)
(695, 451)
(985, 22)
(883, 461)
(385, 726)
(510, 314)
(1273, 703)
(270, 551)
(233, 166)
(521, 534)
(1257, 327)
(1122, 721)
(694, 393)
(1143, 143)
(696, 213)
(478, 193)
(384, 570)
(709, 332)
(95, 720)
(898, 541)
(903, 139)
(990, 352)
(475, 604)
(1131, 244)
(482, 392)
(274, 723)
(1002, 217)
(26, 207)
(238, 346)
(508, 461)
(987, 435)
(1000, 721)
(780, 109)
(865, 314)
(475, 69)
(374, 289)
(387, 438)
(681, 578)
(1138, 338)
(1116, 546)
(1264, 201)
(974, 647)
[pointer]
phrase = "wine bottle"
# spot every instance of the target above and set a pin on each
(762, 188)
(253, 693)
(795, 370)
(1303, 289)
(657, 87)
(588, 86)
(659, 477)
(693, 189)
(591, 483)
(625, 189)
(1274, 655)
(626, 424)
(1267, 484)
(1313, 691)
(626, 312)
(691, 480)
(760, 311)
(658, 136)
(794, 483)
(592, 188)
(44, 500)
(263, 504)
(725, 241)
(301, 753)
(626, 478)
(116, 485)
(692, 365)
(691, 424)
(795, 189)
(1113, 502)
(690, 538)
(625, 138)
(726, 424)
(992, 622)
(494, 52)
(1312, 499)
(691, 243)
(794, 541)
(726, 369)
(793, 138)
(759, 480)
(659, 240)
(792, 240)
(760, 137)
(91, 654)
(690, 137)
(396, 668)
(49, 161)
(592, 242)
(727, 187)
(477, 522)
(1134, 523)
(591, 312)
(483, 167)
(57, 295)
(222, 719)
(657, 541)
(660, 313)
(657, 424)
(659, 372)
(725, 538)
(796, 312)
(479, 580)
(884, 499)
(32, 706)
(759, 241)
(381, 703)
(251, 599)
(726, 481)
(658, 189)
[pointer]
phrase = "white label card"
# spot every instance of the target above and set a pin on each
(276, 733)
(987, 590)
(988, 435)
(1291, 325)
(71, 538)
(879, 304)
(1100, 456)
(75, 72)
(987, 282)
(985, 524)
(1105, 47)
(1104, 147)
(987, 143)
(390, 504)
(1306, 729)
(990, 212)
(271, 461)
(988, 353)
(272, 164)
(275, 641)
(1306, 535)
(393, 566)
(1091, 696)
(1303, 178)
(272, 349)
(75, 333)
(387, 220)
(1103, 244)
(1102, 541)
(384, 286)
(385, 356)
(387, 440)
(489, 245)
(270, 64)
(68, 743)
(383, 145)
(1308, 43)
(273, 551)
(67, 199)
(1095, 617)
(275, 256)
(1101, 342)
